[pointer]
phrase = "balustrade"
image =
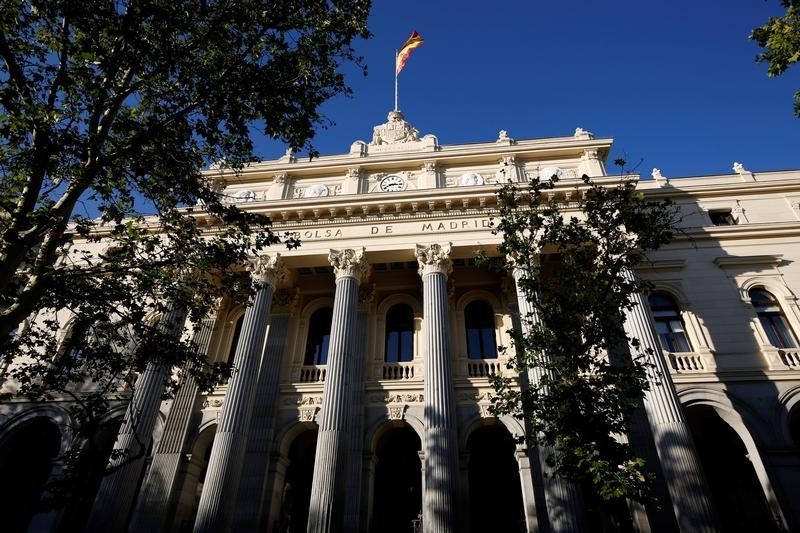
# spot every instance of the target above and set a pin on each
(484, 368)
(686, 362)
(313, 373)
(790, 357)
(398, 371)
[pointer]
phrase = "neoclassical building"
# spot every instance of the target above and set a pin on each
(360, 397)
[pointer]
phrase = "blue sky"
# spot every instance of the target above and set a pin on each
(672, 82)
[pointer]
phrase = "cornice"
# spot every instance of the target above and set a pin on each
(448, 154)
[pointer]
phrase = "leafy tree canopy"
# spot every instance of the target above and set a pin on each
(574, 246)
(119, 105)
(780, 39)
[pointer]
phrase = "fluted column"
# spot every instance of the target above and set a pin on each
(225, 464)
(160, 485)
(114, 500)
(683, 472)
(250, 499)
(562, 498)
(440, 442)
(352, 513)
(326, 511)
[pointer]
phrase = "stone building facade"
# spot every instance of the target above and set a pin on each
(360, 400)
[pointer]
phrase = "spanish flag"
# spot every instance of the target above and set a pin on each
(413, 42)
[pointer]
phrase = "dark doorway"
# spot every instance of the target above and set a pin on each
(297, 485)
(26, 458)
(495, 491)
(738, 497)
(397, 493)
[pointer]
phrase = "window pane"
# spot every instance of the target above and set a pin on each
(489, 344)
(473, 344)
(392, 342)
(399, 334)
(319, 331)
(406, 346)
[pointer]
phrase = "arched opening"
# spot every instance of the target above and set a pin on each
(26, 459)
(399, 334)
(194, 476)
(794, 424)
(397, 488)
(479, 325)
(495, 491)
(296, 496)
(90, 468)
(669, 325)
(319, 335)
(772, 319)
(738, 496)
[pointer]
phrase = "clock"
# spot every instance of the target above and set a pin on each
(393, 183)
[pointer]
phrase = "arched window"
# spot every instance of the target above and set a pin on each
(319, 334)
(772, 320)
(237, 332)
(399, 334)
(669, 325)
(479, 323)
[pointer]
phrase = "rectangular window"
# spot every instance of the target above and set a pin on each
(722, 217)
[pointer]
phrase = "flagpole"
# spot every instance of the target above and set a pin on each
(395, 80)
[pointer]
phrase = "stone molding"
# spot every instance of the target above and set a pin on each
(269, 269)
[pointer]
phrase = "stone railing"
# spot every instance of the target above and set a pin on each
(483, 368)
(313, 373)
(790, 357)
(399, 371)
(685, 362)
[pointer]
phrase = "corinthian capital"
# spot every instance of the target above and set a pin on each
(349, 262)
(434, 258)
(269, 269)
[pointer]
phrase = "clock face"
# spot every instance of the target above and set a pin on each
(392, 183)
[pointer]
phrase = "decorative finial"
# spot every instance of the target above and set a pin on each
(657, 175)
(739, 168)
(581, 133)
(503, 136)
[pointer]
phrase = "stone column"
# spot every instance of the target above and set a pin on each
(225, 464)
(160, 484)
(683, 472)
(326, 511)
(440, 443)
(250, 498)
(562, 498)
(352, 516)
(117, 492)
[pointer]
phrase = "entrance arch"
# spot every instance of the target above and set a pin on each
(397, 481)
(26, 459)
(495, 491)
(735, 488)
(295, 490)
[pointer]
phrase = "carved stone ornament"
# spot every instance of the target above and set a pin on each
(434, 258)
(484, 410)
(353, 173)
(269, 269)
(470, 178)
(349, 262)
(397, 412)
(366, 294)
(656, 174)
(307, 414)
(739, 168)
(286, 301)
(280, 178)
(317, 190)
(396, 130)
